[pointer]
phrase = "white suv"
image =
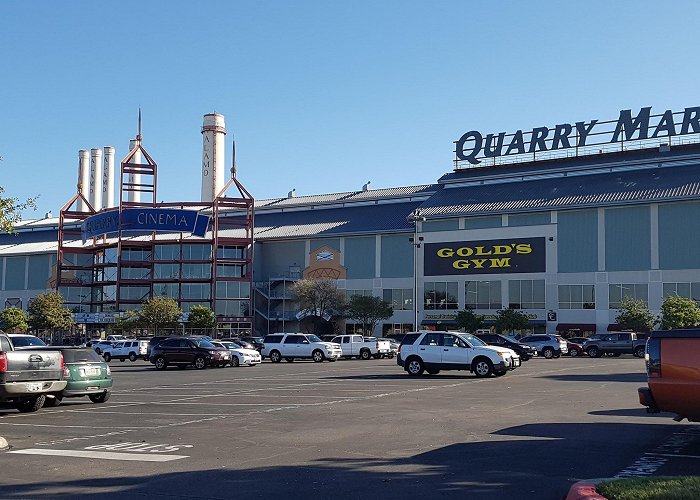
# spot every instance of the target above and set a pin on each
(434, 351)
(299, 345)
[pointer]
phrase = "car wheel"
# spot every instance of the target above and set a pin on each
(573, 352)
(52, 400)
(161, 363)
(548, 353)
(200, 363)
(414, 367)
(235, 361)
(365, 354)
(275, 356)
(483, 367)
(32, 404)
(132, 356)
(318, 356)
(390, 356)
(289, 359)
(639, 351)
(593, 352)
(99, 398)
(432, 371)
(98, 350)
(108, 357)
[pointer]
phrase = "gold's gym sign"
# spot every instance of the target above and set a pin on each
(519, 255)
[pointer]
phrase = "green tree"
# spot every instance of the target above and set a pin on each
(469, 321)
(508, 320)
(201, 317)
(14, 320)
(369, 311)
(633, 314)
(160, 312)
(47, 311)
(11, 210)
(679, 312)
(319, 300)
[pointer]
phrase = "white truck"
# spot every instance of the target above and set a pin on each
(130, 349)
(363, 347)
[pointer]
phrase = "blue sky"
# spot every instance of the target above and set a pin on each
(321, 96)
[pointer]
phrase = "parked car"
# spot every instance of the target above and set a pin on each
(85, 373)
(122, 350)
(673, 363)
(242, 343)
(299, 345)
(26, 377)
(575, 349)
(525, 351)
(548, 346)
(153, 341)
(185, 351)
(578, 340)
(99, 345)
(362, 347)
(257, 342)
(394, 346)
(239, 355)
(22, 340)
(616, 343)
(428, 351)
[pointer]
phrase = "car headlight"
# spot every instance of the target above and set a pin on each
(501, 354)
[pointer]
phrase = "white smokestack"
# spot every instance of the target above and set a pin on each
(83, 177)
(213, 156)
(96, 178)
(135, 196)
(108, 178)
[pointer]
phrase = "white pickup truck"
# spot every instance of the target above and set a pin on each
(363, 347)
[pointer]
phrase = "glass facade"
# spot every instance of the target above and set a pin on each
(440, 295)
(618, 291)
(526, 294)
(576, 297)
(483, 294)
(687, 290)
(401, 299)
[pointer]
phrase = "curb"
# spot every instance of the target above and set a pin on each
(3, 443)
(585, 490)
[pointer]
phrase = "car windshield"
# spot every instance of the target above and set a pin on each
(27, 341)
(204, 343)
(81, 356)
(472, 339)
(231, 345)
(313, 338)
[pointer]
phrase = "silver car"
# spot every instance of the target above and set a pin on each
(548, 346)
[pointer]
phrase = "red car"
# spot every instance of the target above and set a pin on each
(575, 349)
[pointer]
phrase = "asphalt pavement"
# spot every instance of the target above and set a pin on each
(350, 429)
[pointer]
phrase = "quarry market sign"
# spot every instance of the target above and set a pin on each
(474, 147)
(145, 219)
(517, 255)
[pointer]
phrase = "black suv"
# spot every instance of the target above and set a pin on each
(524, 351)
(185, 351)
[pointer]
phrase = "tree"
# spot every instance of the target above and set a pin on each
(160, 312)
(679, 312)
(11, 210)
(319, 300)
(201, 317)
(14, 320)
(508, 320)
(369, 311)
(633, 314)
(469, 321)
(47, 311)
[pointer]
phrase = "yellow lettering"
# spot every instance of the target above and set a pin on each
(523, 248)
(479, 263)
(445, 252)
(464, 251)
(480, 251)
(502, 249)
(505, 262)
(461, 264)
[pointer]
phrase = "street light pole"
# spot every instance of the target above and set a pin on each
(416, 241)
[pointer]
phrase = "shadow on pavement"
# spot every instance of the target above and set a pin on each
(640, 377)
(630, 412)
(534, 461)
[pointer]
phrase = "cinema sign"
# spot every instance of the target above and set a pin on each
(145, 219)
(474, 147)
(517, 255)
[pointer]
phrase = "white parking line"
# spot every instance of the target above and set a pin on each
(100, 455)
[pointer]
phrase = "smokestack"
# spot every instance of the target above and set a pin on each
(83, 177)
(213, 156)
(108, 178)
(96, 178)
(135, 196)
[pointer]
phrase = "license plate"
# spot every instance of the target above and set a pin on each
(87, 372)
(34, 387)
(93, 388)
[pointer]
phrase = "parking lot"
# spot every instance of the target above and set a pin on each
(350, 429)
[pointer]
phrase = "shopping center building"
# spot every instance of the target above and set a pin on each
(558, 222)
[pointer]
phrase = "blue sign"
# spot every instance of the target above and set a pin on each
(145, 219)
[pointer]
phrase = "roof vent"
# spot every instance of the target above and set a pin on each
(291, 194)
(48, 215)
(366, 186)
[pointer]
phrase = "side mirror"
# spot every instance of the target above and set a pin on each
(304, 341)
